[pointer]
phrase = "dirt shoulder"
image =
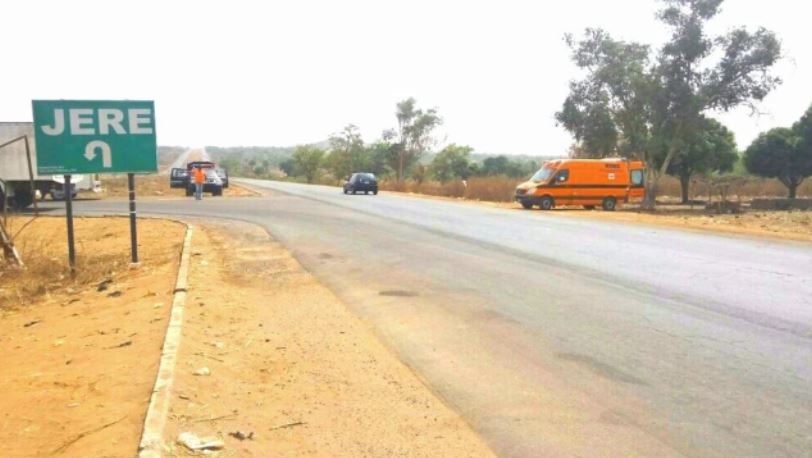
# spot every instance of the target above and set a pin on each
(286, 359)
(79, 360)
(785, 225)
(289, 363)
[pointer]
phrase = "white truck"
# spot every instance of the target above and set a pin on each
(15, 181)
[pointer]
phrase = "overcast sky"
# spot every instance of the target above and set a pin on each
(282, 73)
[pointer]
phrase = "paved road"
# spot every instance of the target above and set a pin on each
(562, 336)
(198, 154)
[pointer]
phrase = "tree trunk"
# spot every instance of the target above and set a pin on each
(793, 188)
(652, 182)
(685, 184)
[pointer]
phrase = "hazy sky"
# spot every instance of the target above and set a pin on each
(282, 73)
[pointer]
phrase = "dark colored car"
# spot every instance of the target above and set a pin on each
(178, 178)
(361, 182)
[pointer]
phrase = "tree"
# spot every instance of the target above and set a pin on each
(306, 161)
(496, 165)
(779, 153)
(377, 157)
(711, 149)
(451, 163)
(803, 129)
(635, 104)
(414, 134)
(502, 165)
(346, 152)
(288, 166)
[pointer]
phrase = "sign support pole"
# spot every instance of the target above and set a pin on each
(133, 230)
(31, 176)
(69, 215)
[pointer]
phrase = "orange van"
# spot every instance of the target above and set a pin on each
(587, 182)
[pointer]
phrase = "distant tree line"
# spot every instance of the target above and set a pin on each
(399, 153)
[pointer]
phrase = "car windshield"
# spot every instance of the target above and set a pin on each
(542, 175)
(366, 176)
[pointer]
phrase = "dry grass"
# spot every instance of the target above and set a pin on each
(156, 186)
(501, 188)
(145, 185)
(491, 189)
(751, 188)
(102, 251)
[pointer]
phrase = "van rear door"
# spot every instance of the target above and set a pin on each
(637, 183)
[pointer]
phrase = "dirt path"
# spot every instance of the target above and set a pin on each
(289, 363)
(79, 359)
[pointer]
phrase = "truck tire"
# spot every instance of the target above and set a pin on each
(217, 192)
(527, 204)
(22, 200)
(546, 203)
(609, 204)
(189, 192)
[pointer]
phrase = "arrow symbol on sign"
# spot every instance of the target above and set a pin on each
(107, 157)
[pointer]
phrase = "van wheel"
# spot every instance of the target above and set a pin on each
(589, 207)
(546, 203)
(609, 204)
(527, 204)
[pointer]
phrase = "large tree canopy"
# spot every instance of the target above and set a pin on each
(635, 103)
(712, 148)
(450, 163)
(307, 161)
(785, 154)
(346, 152)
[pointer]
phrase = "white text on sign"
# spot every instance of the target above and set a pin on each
(104, 121)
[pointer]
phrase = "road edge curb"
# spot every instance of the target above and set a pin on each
(152, 435)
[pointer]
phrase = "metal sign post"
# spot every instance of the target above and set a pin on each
(133, 231)
(96, 137)
(69, 215)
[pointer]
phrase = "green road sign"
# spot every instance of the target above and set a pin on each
(95, 136)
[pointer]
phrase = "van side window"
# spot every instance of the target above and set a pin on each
(637, 178)
(562, 176)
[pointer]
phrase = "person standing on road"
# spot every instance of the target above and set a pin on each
(200, 178)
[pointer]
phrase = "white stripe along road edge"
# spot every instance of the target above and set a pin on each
(152, 437)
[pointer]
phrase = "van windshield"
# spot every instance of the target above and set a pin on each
(542, 175)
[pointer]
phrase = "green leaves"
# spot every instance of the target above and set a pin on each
(307, 161)
(652, 106)
(415, 129)
(453, 162)
(780, 153)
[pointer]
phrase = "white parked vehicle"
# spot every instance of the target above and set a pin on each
(15, 181)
